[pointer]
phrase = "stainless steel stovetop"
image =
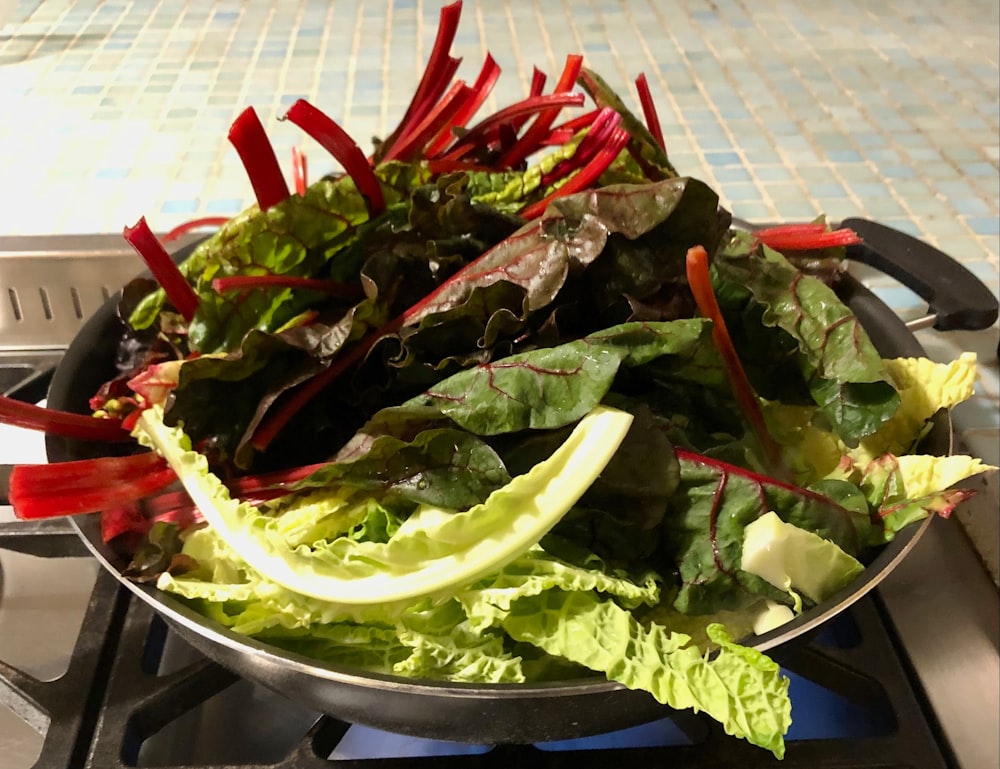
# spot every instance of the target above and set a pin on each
(940, 607)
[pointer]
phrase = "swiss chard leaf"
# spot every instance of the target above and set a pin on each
(841, 367)
(552, 387)
(704, 530)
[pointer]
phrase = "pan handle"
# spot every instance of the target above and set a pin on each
(958, 300)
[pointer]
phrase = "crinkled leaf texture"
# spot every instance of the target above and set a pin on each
(741, 688)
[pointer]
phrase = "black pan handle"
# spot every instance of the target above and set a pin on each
(957, 299)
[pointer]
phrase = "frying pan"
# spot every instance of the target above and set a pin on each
(535, 712)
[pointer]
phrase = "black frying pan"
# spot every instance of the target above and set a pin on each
(523, 713)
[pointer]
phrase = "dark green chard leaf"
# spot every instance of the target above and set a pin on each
(842, 368)
(553, 387)
(703, 530)
(443, 467)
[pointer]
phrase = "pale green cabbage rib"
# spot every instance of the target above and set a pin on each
(433, 551)
(740, 687)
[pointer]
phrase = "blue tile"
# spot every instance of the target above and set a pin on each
(985, 226)
(972, 207)
(179, 207)
(224, 206)
(732, 174)
(844, 156)
(827, 190)
(723, 158)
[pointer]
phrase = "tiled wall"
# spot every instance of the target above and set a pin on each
(886, 109)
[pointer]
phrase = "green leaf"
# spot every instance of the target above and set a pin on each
(704, 531)
(842, 369)
(740, 688)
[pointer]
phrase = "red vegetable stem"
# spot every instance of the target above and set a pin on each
(344, 149)
(247, 282)
(649, 110)
(790, 229)
(602, 129)
(28, 506)
(435, 121)
(700, 284)
(152, 252)
(586, 176)
(437, 73)
(204, 223)
(300, 171)
(273, 423)
(56, 477)
(538, 79)
(488, 76)
(486, 129)
(247, 135)
(539, 129)
(807, 241)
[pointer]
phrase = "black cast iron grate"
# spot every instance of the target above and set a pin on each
(112, 699)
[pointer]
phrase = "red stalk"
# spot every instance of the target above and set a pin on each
(539, 129)
(792, 229)
(435, 122)
(247, 135)
(487, 129)
(481, 89)
(29, 503)
(152, 252)
(579, 122)
(649, 110)
(586, 176)
(300, 171)
(205, 223)
(247, 282)
(344, 149)
(806, 240)
(437, 74)
(277, 419)
(538, 79)
(700, 284)
(600, 131)
(57, 477)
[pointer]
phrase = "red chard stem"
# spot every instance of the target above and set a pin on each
(649, 110)
(539, 129)
(247, 135)
(205, 223)
(439, 71)
(170, 278)
(481, 89)
(300, 171)
(586, 176)
(344, 149)
(700, 283)
(248, 282)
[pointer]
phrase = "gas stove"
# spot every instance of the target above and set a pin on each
(91, 678)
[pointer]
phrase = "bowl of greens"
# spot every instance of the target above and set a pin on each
(507, 433)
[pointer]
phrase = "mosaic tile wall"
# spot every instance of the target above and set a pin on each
(886, 109)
